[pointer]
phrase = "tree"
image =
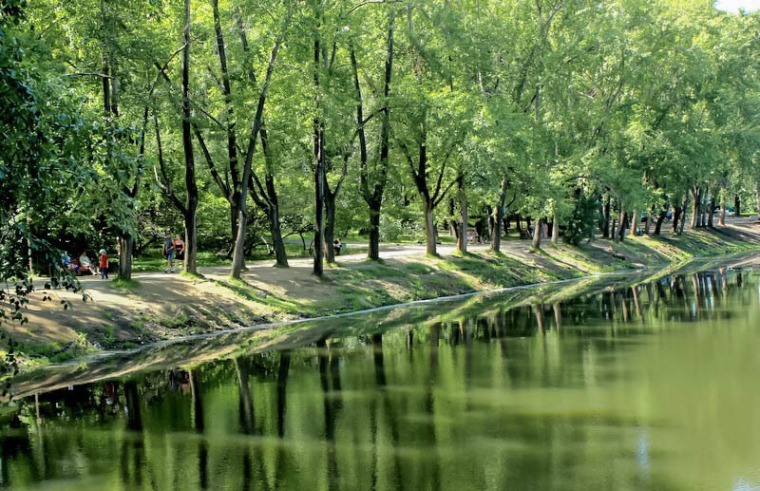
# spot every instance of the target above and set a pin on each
(434, 116)
(373, 174)
(39, 126)
(238, 259)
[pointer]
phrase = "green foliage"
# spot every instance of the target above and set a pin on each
(36, 160)
(398, 229)
(582, 222)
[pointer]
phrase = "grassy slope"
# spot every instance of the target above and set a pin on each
(368, 284)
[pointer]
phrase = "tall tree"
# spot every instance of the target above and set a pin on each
(238, 259)
(373, 174)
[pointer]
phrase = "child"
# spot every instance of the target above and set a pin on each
(103, 260)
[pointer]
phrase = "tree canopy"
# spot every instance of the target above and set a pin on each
(244, 122)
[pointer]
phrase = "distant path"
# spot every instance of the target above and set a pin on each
(386, 251)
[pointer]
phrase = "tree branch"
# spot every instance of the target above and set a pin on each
(166, 185)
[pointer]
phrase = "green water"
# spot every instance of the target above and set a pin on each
(651, 387)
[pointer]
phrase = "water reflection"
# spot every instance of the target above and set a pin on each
(644, 387)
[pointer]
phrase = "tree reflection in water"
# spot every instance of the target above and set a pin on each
(472, 401)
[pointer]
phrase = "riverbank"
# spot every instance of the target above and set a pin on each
(158, 306)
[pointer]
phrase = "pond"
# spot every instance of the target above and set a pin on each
(650, 386)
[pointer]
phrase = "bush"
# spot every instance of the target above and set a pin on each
(583, 220)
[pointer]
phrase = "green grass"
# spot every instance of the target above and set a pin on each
(253, 294)
(127, 286)
(36, 354)
(194, 276)
(176, 321)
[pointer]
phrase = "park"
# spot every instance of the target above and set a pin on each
(383, 244)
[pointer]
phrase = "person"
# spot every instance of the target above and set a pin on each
(67, 263)
(103, 264)
(85, 265)
(169, 253)
(336, 246)
(179, 247)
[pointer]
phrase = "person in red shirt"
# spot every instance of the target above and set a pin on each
(103, 264)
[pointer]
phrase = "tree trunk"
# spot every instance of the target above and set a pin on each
(737, 206)
(110, 106)
(267, 199)
(677, 212)
(496, 232)
(374, 230)
(711, 212)
(319, 153)
(696, 211)
(430, 232)
(621, 229)
(462, 198)
(421, 173)
(319, 197)
(126, 243)
(191, 206)
(230, 188)
(660, 219)
(722, 216)
(274, 229)
(537, 234)
(234, 215)
(633, 222)
(555, 229)
(684, 208)
(329, 226)
(490, 214)
(518, 225)
(606, 215)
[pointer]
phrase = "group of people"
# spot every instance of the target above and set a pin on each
(82, 265)
(173, 248)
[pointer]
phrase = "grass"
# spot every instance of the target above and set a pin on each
(249, 292)
(38, 354)
(177, 321)
(124, 285)
(193, 276)
(373, 284)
